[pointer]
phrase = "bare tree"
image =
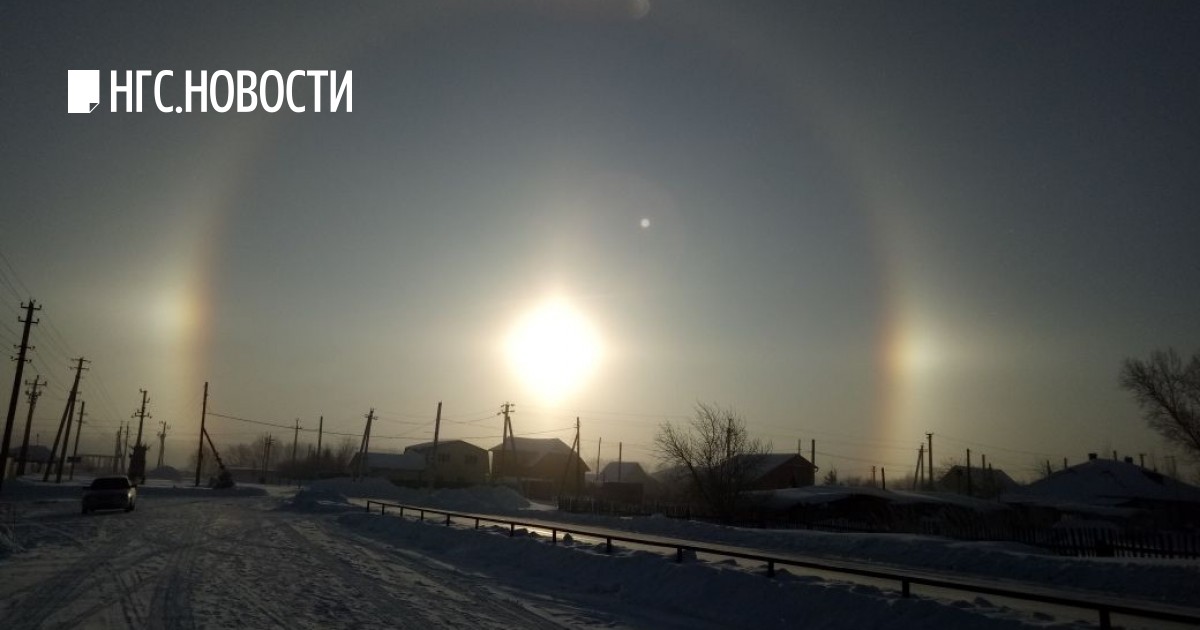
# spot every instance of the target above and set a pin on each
(1168, 391)
(715, 453)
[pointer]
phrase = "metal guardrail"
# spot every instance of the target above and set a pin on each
(1105, 607)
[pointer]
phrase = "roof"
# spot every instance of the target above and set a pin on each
(625, 471)
(396, 461)
(981, 475)
(771, 461)
(428, 445)
(1106, 482)
(540, 446)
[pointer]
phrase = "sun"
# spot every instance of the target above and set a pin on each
(553, 349)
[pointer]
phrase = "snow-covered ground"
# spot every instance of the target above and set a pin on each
(275, 557)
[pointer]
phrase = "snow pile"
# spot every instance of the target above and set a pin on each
(691, 594)
(487, 499)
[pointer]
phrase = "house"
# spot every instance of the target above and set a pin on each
(400, 468)
(626, 482)
(1114, 490)
(781, 470)
(457, 462)
(542, 467)
(977, 482)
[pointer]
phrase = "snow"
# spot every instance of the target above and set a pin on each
(267, 557)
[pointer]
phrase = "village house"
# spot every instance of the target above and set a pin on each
(541, 467)
(457, 463)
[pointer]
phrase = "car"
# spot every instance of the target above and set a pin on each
(110, 493)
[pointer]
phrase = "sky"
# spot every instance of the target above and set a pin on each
(851, 222)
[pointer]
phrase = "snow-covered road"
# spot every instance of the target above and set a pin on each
(237, 563)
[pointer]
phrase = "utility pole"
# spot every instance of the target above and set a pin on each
(295, 438)
(125, 453)
(598, 443)
(571, 461)
(33, 395)
(162, 443)
(137, 461)
(812, 455)
(920, 464)
(968, 472)
(200, 449)
(66, 440)
(437, 427)
(508, 442)
(929, 473)
(78, 430)
(29, 321)
(116, 467)
(883, 476)
(66, 418)
(620, 459)
(365, 447)
(320, 431)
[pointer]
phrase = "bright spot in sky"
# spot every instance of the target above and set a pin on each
(645, 223)
(553, 349)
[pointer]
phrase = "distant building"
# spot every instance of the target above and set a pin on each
(1110, 488)
(401, 468)
(457, 462)
(985, 483)
(626, 482)
(542, 467)
(782, 470)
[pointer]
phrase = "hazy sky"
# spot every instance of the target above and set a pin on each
(853, 222)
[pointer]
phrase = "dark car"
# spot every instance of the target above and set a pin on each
(110, 493)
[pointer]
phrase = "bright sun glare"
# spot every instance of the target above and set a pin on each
(553, 349)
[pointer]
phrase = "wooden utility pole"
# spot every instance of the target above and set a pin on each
(116, 467)
(137, 460)
(200, 449)
(437, 427)
(365, 447)
(295, 438)
(620, 459)
(33, 395)
(320, 431)
(883, 476)
(929, 473)
(812, 455)
(968, 472)
(66, 418)
(29, 321)
(162, 443)
(919, 473)
(598, 443)
(508, 442)
(572, 460)
(78, 430)
(67, 440)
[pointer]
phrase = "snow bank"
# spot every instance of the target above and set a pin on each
(488, 499)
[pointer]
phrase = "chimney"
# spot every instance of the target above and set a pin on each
(1091, 457)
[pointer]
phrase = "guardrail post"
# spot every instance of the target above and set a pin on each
(422, 516)
(383, 508)
(905, 588)
(608, 544)
(770, 568)
(476, 523)
(368, 507)
(679, 554)
(447, 520)
(1105, 621)
(553, 536)
(512, 530)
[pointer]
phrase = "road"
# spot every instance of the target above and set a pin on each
(236, 563)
